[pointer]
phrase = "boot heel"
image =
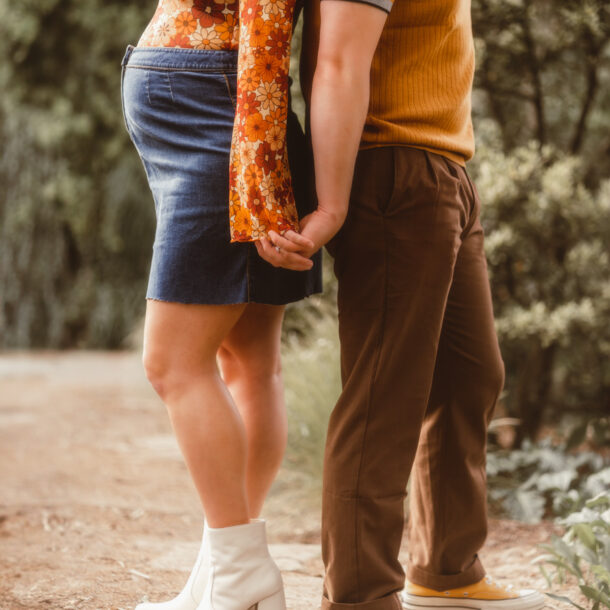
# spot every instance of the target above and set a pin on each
(275, 602)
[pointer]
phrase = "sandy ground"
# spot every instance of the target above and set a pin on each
(97, 510)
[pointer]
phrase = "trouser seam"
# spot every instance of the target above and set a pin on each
(369, 405)
(473, 208)
(443, 435)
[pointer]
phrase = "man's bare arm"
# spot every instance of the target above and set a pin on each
(309, 49)
(349, 34)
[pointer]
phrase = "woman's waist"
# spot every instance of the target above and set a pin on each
(178, 58)
(190, 24)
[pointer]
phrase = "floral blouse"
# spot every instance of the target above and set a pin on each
(260, 188)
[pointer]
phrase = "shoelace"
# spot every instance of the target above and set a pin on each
(490, 581)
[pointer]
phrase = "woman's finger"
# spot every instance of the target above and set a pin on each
(291, 260)
(261, 250)
(282, 258)
(268, 251)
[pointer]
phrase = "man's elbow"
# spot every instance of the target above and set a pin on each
(341, 68)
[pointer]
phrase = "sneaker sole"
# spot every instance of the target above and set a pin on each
(534, 601)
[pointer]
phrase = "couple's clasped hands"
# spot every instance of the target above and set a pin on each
(294, 250)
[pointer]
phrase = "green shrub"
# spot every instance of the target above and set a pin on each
(549, 267)
(583, 552)
(542, 480)
(542, 74)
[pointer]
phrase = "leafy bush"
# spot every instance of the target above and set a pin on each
(593, 431)
(543, 480)
(542, 75)
(583, 552)
(541, 87)
(546, 243)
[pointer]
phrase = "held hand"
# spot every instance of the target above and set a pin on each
(294, 250)
(288, 257)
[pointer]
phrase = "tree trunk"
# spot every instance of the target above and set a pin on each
(533, 391)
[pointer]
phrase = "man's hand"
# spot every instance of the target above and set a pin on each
(349, 34)
(294, 250)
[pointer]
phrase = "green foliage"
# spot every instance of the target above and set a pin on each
(583, 552)
(312, 380)
(76, 219)
(543, 74)
(542, 480)
(595, 431)
(540, 108)
(546, 243)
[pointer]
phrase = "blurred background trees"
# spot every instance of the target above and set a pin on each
(77, 221)
(542, 75)
(542, 117)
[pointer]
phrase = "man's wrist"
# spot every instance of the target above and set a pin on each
(334, 214)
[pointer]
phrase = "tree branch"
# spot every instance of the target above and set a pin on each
(520, 95)
(591, 91)
(534, 69)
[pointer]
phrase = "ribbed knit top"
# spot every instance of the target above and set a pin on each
(421, 78)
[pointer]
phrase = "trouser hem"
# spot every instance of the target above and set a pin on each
(442, 582)
(389, 602)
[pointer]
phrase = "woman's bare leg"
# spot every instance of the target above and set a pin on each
(250, 362)
(180, 347)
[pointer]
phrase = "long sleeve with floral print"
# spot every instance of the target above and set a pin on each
(261, 196)
(260, 189)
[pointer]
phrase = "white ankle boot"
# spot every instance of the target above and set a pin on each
(242, 574)
(192, 594)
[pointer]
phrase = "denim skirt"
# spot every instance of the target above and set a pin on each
(179, 108)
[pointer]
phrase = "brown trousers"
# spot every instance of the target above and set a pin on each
(421, 371)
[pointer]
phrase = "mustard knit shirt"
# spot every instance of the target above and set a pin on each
(421, 78)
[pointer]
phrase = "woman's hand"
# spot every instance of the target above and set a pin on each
(294, 250)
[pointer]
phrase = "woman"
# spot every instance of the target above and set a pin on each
(205, 98)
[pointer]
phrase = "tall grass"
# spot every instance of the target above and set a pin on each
(312, 380)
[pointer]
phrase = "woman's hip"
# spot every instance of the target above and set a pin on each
(179, 100)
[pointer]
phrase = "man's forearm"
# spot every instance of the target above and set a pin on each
(349, 34)
(340, 98)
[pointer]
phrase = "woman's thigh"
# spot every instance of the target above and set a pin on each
(182, 336)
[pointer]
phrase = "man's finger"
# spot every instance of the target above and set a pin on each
(291, 260)
(283, 243)
(297, 238)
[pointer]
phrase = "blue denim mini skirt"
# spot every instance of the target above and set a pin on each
(179, 108)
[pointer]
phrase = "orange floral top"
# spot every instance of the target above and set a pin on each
(260, 189)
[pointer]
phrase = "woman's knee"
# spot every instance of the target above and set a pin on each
(158, 369)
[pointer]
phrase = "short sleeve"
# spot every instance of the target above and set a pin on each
(384, 5)
(260, 185)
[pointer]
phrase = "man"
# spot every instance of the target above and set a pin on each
(421, 366)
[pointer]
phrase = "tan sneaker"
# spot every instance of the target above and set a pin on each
(483, 595)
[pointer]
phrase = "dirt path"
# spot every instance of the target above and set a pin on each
(96, 507)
